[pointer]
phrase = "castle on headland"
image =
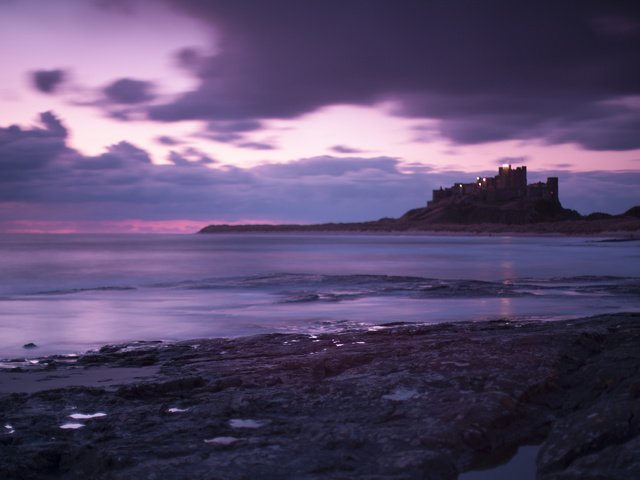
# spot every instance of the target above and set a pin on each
(509, 184)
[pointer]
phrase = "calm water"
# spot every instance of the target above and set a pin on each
(70, 293)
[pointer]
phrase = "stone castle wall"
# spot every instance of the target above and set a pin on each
(509, 184)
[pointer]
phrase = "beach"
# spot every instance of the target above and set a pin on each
(396, 401)
(287, 240)
(318, 356)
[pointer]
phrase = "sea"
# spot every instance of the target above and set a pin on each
(72, 293)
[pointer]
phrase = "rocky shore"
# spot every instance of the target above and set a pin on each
(399, 402)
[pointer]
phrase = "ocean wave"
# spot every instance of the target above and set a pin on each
(310, 288)
(590, 278)
(70, 291)
(336, 288)
(471, 288)
(629, 289)
(583, 285)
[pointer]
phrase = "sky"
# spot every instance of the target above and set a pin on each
(168, 115)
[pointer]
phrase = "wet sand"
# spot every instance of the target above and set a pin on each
(22, 381)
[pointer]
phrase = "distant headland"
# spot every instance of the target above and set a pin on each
(505, 203)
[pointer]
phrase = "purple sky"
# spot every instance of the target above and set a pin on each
(167, 115)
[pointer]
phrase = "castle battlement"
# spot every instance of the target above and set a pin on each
(509, 184)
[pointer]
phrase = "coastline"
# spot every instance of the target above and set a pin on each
(392, 402)
(628, 227)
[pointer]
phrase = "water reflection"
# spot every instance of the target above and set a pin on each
(506, 309)
(232, 285)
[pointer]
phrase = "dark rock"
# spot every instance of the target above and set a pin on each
(633, 212)
(467, 211)
(412, 401)
(148, 390)
(30, 345)
(598, 216)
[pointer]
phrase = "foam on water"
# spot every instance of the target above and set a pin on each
(246, 423)
(87, 416)
(221, 440)
(71, 426)
(177, 410)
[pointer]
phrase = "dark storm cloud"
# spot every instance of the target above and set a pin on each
(127, 91)
(40, 173)
(490, 70)
(47, 81)
(616, 25)
(619, 130)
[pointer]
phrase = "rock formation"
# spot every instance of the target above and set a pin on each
(402, 402)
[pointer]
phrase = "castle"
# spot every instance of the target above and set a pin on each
(509, 184)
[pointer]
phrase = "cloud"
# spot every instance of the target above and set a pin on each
(24, 153)
(329, 166)
(125, 152)
(247, 125)
(53, 124)
(167, 140)
(344, 149)
(191, 59)
(42, 179)
(256, 145)
(127, 91)
(616, 25)
(224, 137)
(617, 130)
(47, 81)
(485, 70)
(511, 160)
(190, 156)
(235, 132)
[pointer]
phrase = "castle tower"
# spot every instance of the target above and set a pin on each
(511, 182)
(552, 189)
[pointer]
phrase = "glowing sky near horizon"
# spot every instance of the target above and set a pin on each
(248, 108)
